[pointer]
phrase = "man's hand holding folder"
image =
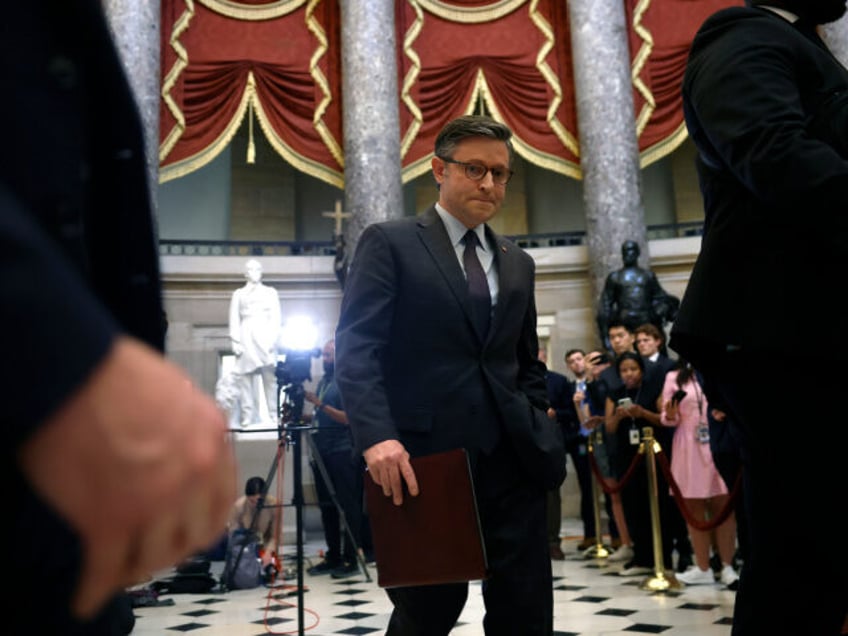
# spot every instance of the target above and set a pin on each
(388, 462)
(433, 537)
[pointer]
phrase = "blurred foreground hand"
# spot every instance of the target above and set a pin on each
(138, 462)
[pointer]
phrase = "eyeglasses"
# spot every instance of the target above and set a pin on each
(477, 171)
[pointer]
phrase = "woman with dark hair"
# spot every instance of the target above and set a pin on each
(631, 407)
(245, 518)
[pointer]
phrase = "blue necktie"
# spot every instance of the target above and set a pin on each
(478, 286)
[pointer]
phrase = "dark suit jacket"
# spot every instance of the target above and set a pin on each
(561, 397)
(775, 191)
(655, 372)
(410, 364)
(79, 258)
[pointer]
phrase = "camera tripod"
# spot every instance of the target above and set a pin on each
(289, 430)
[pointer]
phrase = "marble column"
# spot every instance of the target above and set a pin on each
(835, 36)
(609, 152)
(371, 122)
(135, 28)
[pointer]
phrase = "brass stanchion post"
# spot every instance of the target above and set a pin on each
(659, 581)
(599, 550)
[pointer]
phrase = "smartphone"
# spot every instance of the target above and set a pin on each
(601, 358)
(678, 396)
(625, 402)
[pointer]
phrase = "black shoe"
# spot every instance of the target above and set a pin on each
(345, 570)
(325, 567)
(738, 559)
(586, 543)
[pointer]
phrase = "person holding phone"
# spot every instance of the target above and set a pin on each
(629, 408)
(590, 404)
(686, 409)
(650, 343)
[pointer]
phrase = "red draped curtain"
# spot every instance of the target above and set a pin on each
(277, 63)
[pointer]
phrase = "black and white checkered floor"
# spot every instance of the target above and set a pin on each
(590, 599)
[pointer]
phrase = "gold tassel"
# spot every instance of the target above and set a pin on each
(251, 147)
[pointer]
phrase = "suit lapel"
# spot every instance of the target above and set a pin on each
(435, 238)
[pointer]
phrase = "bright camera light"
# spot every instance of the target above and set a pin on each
(299, 334)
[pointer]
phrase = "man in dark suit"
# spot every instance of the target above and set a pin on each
(562, 411)
(577, 444)
(766, 104)
(115, 465)
(437, 349)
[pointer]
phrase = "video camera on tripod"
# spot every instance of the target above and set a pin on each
(294, 367)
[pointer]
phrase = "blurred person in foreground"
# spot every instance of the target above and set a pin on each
(766, 104)
(469, 378)
(116, 464)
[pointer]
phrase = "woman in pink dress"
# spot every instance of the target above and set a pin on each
(704, 491)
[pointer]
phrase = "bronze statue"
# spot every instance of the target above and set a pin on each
(632, 296)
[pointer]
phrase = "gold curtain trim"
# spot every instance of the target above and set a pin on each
(200, 159)
(470, 15)
(560, 131)
(410, 78)
(320, 79)
(205, 156)
(252, 12)
(664, 147)
(180, 26)
(416, 169)
(639, 62)
(531, 154)
(309, 166)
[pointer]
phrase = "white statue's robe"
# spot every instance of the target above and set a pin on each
(254, 329)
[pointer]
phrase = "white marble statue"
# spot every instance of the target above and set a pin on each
(254, 329)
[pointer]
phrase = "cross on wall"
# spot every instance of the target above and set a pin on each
(338, 216)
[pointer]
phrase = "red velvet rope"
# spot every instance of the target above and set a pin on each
(701, 524)
(613, 490)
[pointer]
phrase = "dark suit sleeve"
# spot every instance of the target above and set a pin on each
(531, 371)
(744, 102)
(362, 339)
(48, 313)
(560, 394)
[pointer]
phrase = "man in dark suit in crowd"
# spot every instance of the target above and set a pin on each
(766, 104)
(437, 349)
(115, 465)
(562, 411)
(577, 444)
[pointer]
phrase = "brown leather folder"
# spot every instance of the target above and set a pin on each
(434, 537)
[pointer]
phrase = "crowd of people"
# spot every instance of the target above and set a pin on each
(615, 396)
